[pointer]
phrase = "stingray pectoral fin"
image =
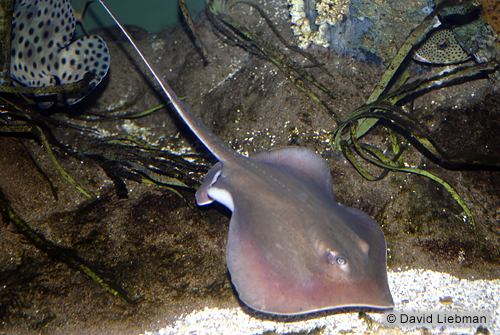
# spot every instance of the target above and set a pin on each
(303, 163)
(251, 274)
(369, 238)
(265, 286)
(289, 281)
(202, 197)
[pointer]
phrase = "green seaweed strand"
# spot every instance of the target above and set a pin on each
(58, 166)
(62, 254)
(37, 131)
(189, 20)
(415, 37)
(296, 73)
(398, 119)
(383, 161)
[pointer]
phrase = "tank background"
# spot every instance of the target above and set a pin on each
(132, 12)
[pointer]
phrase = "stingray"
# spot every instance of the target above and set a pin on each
(291, 249)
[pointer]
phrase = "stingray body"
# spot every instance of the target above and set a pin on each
(292, 249)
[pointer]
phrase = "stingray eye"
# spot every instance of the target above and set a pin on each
(341, 261)
(333, 259)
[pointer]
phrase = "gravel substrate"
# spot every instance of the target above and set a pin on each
(420, 291)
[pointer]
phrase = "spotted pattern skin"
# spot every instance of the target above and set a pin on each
(42, 53)
(441, 47)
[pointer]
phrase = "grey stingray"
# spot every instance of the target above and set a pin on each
(291, 248)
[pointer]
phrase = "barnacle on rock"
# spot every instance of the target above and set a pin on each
(323, 13)
(331, 11)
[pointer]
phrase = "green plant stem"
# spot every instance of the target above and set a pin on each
(242, 36)
(58, 166)
(189, 20)
(61, 254)
(369, 152)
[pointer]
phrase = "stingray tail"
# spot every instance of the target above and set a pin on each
(218, 148)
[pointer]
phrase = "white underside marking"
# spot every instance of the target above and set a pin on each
(221, 196)
(215, 177)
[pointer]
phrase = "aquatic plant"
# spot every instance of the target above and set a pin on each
(64, 255)
(382, 104)
(185, 12)
(236, 33)
(120, 158)
(128, 158)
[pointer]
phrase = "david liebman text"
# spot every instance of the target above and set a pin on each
(444, 318)
(450, 318)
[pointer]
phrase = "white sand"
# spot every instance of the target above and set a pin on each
(413, 291)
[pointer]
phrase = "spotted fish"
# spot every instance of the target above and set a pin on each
(441, 47)
(42, 52)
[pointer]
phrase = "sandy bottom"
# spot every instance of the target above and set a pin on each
(417, 291)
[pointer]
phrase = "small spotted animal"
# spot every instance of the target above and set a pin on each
(441, 47)
(42, 52)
